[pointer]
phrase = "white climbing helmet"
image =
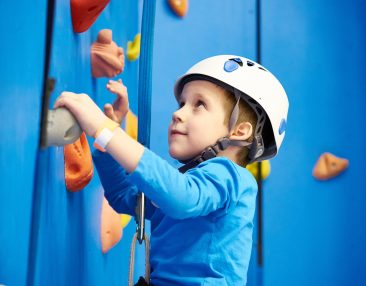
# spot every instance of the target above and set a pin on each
(250, 81)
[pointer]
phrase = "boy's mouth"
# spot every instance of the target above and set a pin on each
(177, 132)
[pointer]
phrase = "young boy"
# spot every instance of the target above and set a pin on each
(231, 112)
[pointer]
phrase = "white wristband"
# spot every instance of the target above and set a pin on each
(103, 138)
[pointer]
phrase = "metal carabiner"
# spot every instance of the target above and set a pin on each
(140, 217)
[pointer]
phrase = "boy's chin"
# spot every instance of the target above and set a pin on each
(178, 155)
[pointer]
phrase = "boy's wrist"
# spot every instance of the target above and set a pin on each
(104, 134)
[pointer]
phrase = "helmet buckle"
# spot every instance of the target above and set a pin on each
(208, 153)
(223, 143)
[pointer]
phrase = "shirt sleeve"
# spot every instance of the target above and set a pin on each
(211, 186)
(120, 192)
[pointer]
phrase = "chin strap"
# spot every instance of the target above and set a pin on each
(211, 152)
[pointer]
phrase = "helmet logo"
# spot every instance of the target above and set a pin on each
(282, 126)
(232, 64)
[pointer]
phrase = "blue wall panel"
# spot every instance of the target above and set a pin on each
(21, 74)
(210, 28)
(69, 246)
(314, 232)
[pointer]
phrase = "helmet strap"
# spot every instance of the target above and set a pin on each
(257, 147)
(235, 113)
(212, 151)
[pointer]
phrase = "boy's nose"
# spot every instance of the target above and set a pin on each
(178, 116)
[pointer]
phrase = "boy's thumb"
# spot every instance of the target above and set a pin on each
(108, 110)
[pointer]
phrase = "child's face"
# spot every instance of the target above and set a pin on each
(199, 122)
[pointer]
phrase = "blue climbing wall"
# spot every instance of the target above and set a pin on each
(313, 231)
(69, 229)
(49, 236)
(21, 75)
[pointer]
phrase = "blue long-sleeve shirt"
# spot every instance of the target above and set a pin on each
(201, 231)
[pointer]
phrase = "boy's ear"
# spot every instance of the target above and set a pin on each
(242, 131)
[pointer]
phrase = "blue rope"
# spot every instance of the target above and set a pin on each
(144, 97)
(145, 72)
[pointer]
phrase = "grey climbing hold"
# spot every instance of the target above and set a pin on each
(62, 127)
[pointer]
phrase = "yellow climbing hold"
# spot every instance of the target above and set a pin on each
(266, 169)
(125, 219)
(133, 48)
(131, 124)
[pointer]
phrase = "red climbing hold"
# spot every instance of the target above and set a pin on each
(85, 12)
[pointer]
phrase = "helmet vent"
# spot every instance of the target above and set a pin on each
(250, 64)
(263, 69)
(237, 60)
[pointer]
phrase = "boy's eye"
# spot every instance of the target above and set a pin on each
(200, 103)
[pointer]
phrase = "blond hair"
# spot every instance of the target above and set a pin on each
(246, 114)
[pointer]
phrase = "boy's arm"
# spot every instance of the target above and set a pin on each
(120, 192)
(125, 150)
(176, 194)
(214, 186)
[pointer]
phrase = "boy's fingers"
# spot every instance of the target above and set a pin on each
(67, 94)
(64, 99)
(70, 103)
(108, 110)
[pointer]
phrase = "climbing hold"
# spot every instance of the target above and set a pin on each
(62, 127)
(179, 7)
(133, 48)
(266, 169)
(78, 164)
(125, 219)
(85, 12)
(329, 166)
(131, 124)
(107, 59)
(110, 227)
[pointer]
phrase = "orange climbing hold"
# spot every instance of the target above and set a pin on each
(85, 12)
(110, 227)
(107, 59)
(78, 164)
(180, 7)
(329, 166)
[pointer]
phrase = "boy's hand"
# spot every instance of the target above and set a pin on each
(120, 106)
(86, 112)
